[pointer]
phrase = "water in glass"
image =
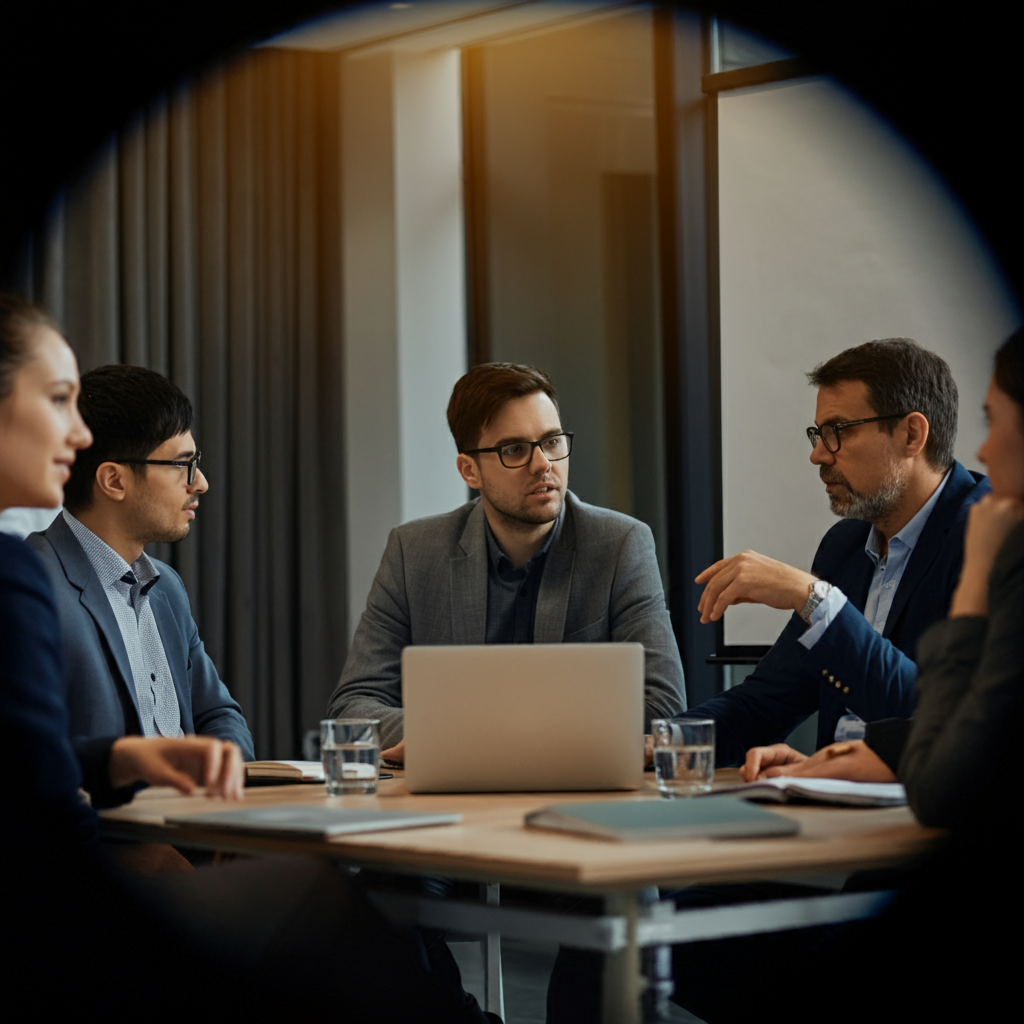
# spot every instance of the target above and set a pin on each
(684, 769)
(351, 768)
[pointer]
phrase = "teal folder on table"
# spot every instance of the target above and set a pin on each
(624, 820)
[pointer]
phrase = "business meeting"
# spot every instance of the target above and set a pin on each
(327, 688)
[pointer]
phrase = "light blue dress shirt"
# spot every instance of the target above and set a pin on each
(885, 581)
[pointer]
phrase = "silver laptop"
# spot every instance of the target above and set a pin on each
(523, 717)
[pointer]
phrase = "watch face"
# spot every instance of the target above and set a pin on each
(821, 588)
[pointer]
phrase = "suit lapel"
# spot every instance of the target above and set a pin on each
(930, 542)
(468, 580)
(555, 584)
(81, 575)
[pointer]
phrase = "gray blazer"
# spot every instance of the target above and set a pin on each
(101, 694)
(600, 583)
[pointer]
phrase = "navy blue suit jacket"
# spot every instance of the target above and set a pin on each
(46, 768)
(101, 695)
(851, 666)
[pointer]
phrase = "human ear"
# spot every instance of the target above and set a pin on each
(917, 433)
(468, 470)
(110, 480)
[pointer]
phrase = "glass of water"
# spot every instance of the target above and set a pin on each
(350, 749)
(684, 755)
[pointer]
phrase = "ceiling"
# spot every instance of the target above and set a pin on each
(425, 25)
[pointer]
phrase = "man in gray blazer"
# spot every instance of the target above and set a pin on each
(133, 659)
(526, 562)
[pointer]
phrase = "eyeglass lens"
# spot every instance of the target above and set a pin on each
(828, 434)
(519, 454)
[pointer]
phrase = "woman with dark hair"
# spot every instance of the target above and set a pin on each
(40, 433)
(258, 938)
(51, 869)
(946, 950)
(971, 679)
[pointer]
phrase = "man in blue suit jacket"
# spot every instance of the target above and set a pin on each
(883, 442)
(132, 654)
(883, 439)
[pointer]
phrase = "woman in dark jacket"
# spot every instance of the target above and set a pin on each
(261, 939)
(965, 741)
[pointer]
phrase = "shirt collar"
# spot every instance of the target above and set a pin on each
(496, 554)
(910, 533)
(108, 565)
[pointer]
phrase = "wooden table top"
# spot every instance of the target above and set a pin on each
(492, 843)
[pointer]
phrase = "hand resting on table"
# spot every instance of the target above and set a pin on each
(852, 760)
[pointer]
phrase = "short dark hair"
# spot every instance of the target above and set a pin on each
(901, 378)
(17, 320)
(131, 411)
(479, 394)
(1009, 369)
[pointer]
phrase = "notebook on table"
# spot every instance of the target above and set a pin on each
(787, 789)
(523, 717)
(283, 771)
(303, 821)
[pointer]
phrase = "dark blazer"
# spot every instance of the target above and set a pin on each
(101, 694)
(851, 666)
(46, 769)
(962, 754)
(600, 583)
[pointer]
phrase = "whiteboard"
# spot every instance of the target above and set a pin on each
(833, 232)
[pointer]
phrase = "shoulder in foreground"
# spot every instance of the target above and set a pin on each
(17, 559)
(438, 525)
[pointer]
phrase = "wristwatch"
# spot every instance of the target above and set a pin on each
(817, 593)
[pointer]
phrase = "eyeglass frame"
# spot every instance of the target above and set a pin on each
(192, 465)
(814, 433)
(533, 444)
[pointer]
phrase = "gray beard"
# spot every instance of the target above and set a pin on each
(870, 507)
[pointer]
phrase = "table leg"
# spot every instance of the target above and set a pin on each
(494, 993)
(622, 985)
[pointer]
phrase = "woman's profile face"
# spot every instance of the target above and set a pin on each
(40, 426)
(1003, 450)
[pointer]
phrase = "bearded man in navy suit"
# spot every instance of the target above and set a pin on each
(882, 440)
(885, 426)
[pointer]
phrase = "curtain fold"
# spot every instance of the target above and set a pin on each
(205, 243)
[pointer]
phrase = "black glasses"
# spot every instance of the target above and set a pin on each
(520, 453)
(191, 465)
(829, 432)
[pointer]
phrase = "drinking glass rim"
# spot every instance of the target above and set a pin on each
(682, 721)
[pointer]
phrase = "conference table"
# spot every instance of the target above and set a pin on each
(493, 847)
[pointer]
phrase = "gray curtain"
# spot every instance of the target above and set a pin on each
(205, 243)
